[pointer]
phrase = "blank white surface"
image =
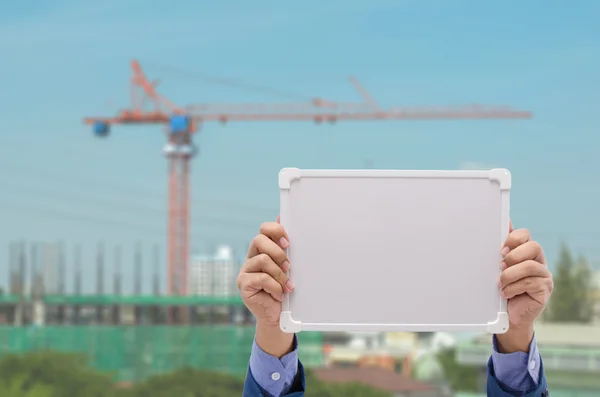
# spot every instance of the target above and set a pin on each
(408, 253)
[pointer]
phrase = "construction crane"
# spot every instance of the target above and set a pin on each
(183, 122)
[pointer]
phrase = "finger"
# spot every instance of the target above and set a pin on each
(533, 286)
(261, 244)
(256, 282)
(275, 232)
(264, 263)
(514, 239)
(529, 268)
(505, 248)
(531, 250)
(278, 218)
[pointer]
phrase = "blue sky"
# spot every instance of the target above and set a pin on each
(63, 60)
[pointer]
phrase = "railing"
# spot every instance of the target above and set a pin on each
(555, 358)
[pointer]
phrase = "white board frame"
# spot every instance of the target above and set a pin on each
(287, 176)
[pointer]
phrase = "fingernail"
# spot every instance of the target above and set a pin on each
(289, 285)
(285, 266)
(505, 251)
(503, 265)
(283, 242)
(503, 294)
(500, 284)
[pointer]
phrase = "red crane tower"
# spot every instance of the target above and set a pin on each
(182, 123)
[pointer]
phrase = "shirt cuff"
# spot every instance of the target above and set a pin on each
(518, 370)
(274, 375)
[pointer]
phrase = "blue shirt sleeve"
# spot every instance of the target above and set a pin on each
(518, 371)
(275, 376)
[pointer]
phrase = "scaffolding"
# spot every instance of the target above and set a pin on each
(133, 353)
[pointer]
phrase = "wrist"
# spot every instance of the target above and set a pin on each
(516, 339)
(272, 340)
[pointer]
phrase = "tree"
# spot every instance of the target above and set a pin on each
(51, 374)
(460, 377)
(194, 383)
(571, 299)
(189, 383)
(17, 388)
(582, 279)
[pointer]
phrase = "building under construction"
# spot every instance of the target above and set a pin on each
(37, 293)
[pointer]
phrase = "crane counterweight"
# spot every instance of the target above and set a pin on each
(101, 129)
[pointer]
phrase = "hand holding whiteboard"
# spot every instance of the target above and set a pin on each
(388, 250)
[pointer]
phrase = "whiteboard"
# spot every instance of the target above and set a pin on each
(390, 250)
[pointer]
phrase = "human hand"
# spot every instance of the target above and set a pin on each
(527, 283)
(262, 282)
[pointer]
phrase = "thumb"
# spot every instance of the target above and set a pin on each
(510, 226)
(278, 218)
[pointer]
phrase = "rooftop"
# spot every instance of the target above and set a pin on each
(375, 377)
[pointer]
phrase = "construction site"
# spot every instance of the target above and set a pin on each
(127, 334)
(140, 334)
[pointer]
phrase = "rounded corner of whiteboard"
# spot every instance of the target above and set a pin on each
(287, 175)
(288, 324)
(500, 325)
(502, 176)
